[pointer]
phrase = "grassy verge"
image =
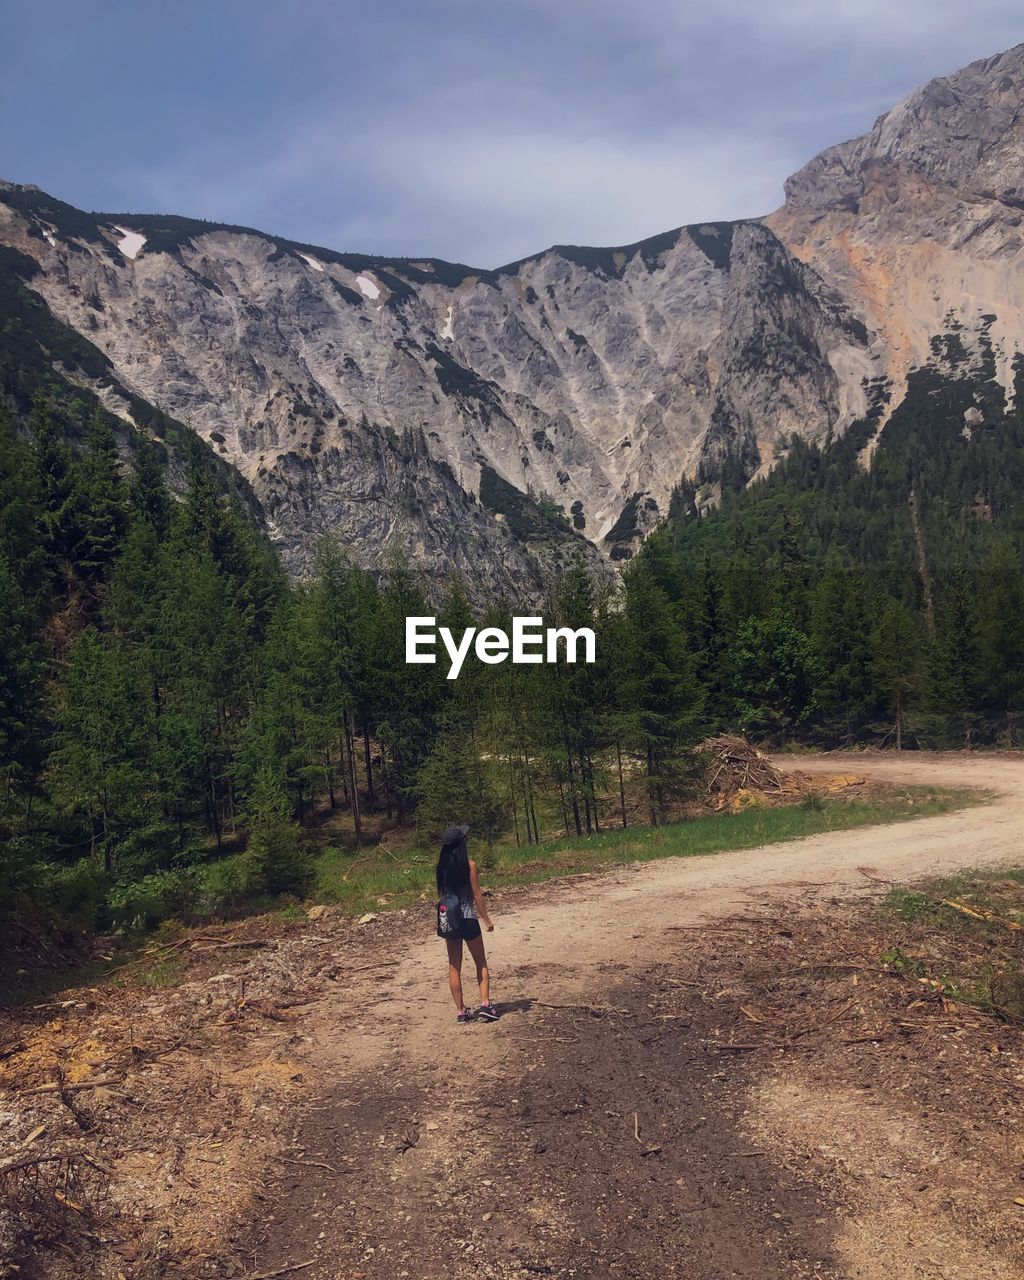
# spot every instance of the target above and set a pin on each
(968, 901)
(379, 877)
(963, 937)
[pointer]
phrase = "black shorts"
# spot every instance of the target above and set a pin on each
(468, 930)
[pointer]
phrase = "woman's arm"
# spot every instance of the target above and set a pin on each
(478, 897)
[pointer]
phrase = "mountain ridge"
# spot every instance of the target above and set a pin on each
(32, 198)
(517, 381)
(591, 380)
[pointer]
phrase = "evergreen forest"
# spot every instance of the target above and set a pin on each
(178, 716)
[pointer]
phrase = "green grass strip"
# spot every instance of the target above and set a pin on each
(378, 878)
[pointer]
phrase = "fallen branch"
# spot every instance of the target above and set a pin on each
(32, 1162)
(712, 926)
(595, 1009)
(37, 1132)
(189, 940)
(874, 879)
(647, 1151)
(67, 1202)
(80, 1118)
(243, 944)
(811, 968)
(282, 1271)
(68, 1088)
(841, 1012)
(310, 1164)
(980, 913)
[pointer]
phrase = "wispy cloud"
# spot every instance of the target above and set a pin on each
(477, 195)
(447, 127)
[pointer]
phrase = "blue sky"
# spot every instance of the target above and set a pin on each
(475, 130)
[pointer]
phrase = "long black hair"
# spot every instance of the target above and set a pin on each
(452, 871)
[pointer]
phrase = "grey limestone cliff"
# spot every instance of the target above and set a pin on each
(449, 412)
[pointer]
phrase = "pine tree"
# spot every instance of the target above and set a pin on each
(275, 734)
(455, 784)
(21, 516)
(55, 470)
(956, 659)
(21, 675)
(208, 662)
(897, 668)
(100, 501)
(275, 858)
(511, 708)
(710, 632)
(618, 687)
(1002, 642)
(775, 672)
(840, 629)
(667, 699)
(362, 608)
(333, 699)
(101, 767)
(211, 523)
(458, 781)
(408, 696)
(567, 704)
(150, 500)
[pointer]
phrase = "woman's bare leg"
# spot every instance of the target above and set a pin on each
(454, 946)
(476, 950)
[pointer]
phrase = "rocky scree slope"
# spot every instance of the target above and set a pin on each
(447, 411)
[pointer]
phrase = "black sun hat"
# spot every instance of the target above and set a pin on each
(454, 835)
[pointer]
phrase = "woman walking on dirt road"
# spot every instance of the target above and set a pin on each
(460, 911)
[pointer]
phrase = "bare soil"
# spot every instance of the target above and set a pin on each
(705, 1068)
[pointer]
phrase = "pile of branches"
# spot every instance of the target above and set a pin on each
(45, 1198)
(733, 765)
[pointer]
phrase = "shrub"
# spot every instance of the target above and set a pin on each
(145, 903)
(76, 894)
(144, 850)
(21, 869)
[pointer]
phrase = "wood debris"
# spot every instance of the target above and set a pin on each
(735, 765)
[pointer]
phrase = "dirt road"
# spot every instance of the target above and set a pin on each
(561, 1141)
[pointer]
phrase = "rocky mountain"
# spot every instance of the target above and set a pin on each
(918, 224)
(39, 354)
(451, 412)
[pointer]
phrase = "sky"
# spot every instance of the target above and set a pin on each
(474, 130)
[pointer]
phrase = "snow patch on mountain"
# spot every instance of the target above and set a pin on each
(131, 242)
(368, 288)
